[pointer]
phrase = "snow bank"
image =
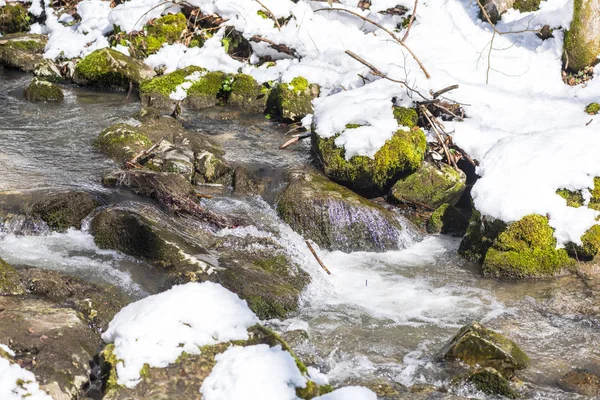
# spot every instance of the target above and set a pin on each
(349, 393)
(159, 328)
(17, 383)
(253, 373)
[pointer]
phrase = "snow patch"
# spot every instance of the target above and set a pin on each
(17, 383)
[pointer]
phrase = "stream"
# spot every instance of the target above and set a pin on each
(378, 316)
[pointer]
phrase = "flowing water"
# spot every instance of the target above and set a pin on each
(377, 316)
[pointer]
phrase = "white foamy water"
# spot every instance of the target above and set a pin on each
(73, 252)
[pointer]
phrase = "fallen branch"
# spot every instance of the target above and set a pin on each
(203, 196)
(314, 253)
(134, 161)
(444, 90)
(410, 22)
(293, 140)
(438, 135)
(278, 47)
(271, 15)
(392, 34)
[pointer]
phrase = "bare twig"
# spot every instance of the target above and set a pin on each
(392, 34)
(278, 47)
(435, 129)
(270, 14)
(134, 161)
(410, 22)
(314, 253)
(444, 90)
(293, 140)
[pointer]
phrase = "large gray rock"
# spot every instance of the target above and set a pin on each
(336, 218)
(22, 51)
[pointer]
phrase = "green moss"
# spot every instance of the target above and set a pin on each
(209, 84)
(298, 84)
(402, 153)
(573, 198)
(275, 264)
(40, 90)
(265, 309)
(293, 101)
(109, 368)
(579, 52)
(592, 108)
(480, 236)
(527, 5)
(167, 29)
(526, 249)
(166, 84)
(36, 46)
(10, 282)
(406, 116)
(121, 142)
(247, 94)
(590, 245)
(13, 19)
(490, 381)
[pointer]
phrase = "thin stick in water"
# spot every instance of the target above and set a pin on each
(314, 253)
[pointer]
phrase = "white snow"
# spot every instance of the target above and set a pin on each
(17, 383)
(253, 373)
(180, 91)
(159, 328)
(349, 393)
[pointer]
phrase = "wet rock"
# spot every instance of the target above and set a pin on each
(178, 159)
(246, 183)
(527, 248)
(212, 168)
(22, 51)
(478, 346)
(336, 218)
(296, 337)
(40, 90)
(122, 142)
(182, 379)
(48, 71)
(495, 9)
(248, 95)
(581, 382)
(402, 154)
(65, 210)
(107, 68)
(10, 281)
(202, 92)
(447, 219)
(430, 185)
(50, 341)
(481, 233)
(293, 100)
(167, 29)
(13, 19)
(489, 381)
(582, 41)
(590, 245)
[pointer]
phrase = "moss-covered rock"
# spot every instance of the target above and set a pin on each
(491, 382)
(65, 210)
(447, 219)
(10, 281)
(480, 235)
(582, 41)
(40, 90)
(13, 19)
(107, 68)
(248, 95)
(293, 100)
(247, 183)
(527, 5)
(478, 346)
(182, 379)
(590, 245)
(164, 30)
(401, 154)
(212, 168)
(22, 51)
(430, 185)
(121, 142)
(592, 108)
(526, 249)
(581, 382)
(205, 92)
(336, 218)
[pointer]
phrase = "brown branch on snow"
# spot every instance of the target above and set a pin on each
(314, 253)
(392, 34)
(278, 47)
(410, 22)
(444, 90)
(271, 15)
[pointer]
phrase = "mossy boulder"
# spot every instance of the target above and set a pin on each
(575, 198)
(203, 91)
(121, 142)
(430, 185)
(51, 341)
(590, 245)
(527, 248)
(480, 235)
(592, 108)
(13, 19)
(182, 379)
(488, 381)
(447, 219)
(582, 40)
(164, 30)
(107, 68)
(477, 346)
(527, 5)
(10, 281)
(401, 154)
(336, 218)
(248, 95)
(293, 100)
(22, 51)
(212, 168)
(65, 210)
(582, 382)
(40, 90)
